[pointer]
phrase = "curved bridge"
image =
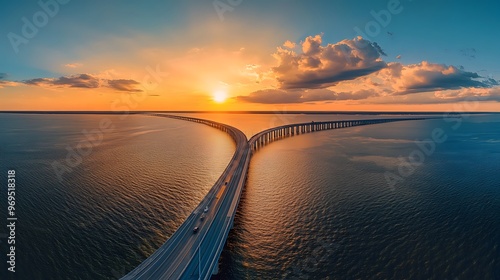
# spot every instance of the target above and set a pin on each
(194, 253)
(273, 134)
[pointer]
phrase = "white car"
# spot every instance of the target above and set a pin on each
(206, 209)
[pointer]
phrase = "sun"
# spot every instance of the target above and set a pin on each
(220, 96)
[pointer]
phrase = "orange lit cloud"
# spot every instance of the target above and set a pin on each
(278, 96)
(73, 65)
(6, 83)
(354, 70)
(289, 44)
(320, 66)
(426, 76)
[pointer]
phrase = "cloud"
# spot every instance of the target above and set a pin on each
(426, 76)
(320, 66)
(289, 44)
(252, 66)
(74, 81)
(280, 96)
(491, 82)
(6, 83)
(379, 49)
(124, 85)
(354, 70)
(86, 81)
(469, 94)
(195, 51)
(73, 65)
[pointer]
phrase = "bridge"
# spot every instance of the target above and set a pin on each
(193, 251)
(273, 134)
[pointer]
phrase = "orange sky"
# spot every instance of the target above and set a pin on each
(198, 60)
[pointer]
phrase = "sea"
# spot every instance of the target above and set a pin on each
(96, 194)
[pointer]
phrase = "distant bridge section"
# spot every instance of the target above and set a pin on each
(277, 133)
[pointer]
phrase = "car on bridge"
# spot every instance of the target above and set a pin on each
(195, 229)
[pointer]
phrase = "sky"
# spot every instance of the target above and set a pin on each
(231, 55)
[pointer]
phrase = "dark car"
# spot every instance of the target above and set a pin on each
(195, 229)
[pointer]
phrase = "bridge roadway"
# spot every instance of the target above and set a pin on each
(195, 255)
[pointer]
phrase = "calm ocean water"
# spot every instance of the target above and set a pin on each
(316, 206)
(120, 204)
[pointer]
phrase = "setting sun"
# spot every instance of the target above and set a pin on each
(220, 96)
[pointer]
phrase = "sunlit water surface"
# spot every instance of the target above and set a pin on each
(316, 206)
(115, 208)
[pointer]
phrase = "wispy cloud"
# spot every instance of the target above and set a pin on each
(124, 85)
(86, 81)
(5, 83)
(74, 81)
(289, 44)
(279, 96)
(73, 65)
(479, 94)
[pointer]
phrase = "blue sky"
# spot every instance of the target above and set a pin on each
(118, 35)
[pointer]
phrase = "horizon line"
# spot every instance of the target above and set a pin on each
(242, 112)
